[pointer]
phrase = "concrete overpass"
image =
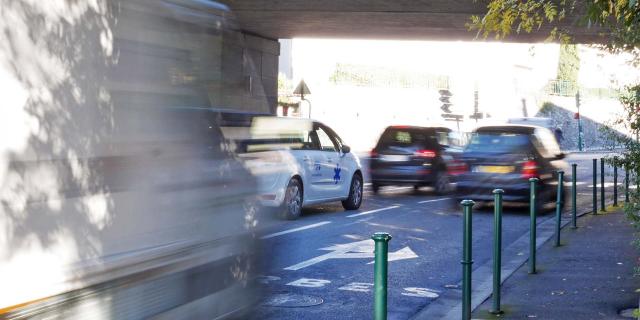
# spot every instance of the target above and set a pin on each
(380, 19)
(263, 22)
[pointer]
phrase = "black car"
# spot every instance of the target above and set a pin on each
(505, 157)
(411, 155)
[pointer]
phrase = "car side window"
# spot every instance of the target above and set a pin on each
(547, 144)
(443, 138)
(334, 137)
(326, 143)
(310, 141)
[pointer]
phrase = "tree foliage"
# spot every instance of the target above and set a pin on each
(568, 63)
(618, 20)
(506, 16)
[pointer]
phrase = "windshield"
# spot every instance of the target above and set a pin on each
(406, 138)
(497, 142)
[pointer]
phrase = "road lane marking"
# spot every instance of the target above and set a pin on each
(309, 283)
(434, 200)
(606, 184)
(371, 211)
(393, 227)
(397, 188)
(354, 250)
(420, 293)
(315, 225)
(357, 287)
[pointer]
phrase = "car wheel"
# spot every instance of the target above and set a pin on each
(442, 185)
(292, 200)
(355, 194)
(566, 193)
(375, 187)
(543, 203)
(553, 200)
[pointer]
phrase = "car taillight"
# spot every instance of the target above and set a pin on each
(457, 167)
(530, 169)
(425, 154)
(373, 153)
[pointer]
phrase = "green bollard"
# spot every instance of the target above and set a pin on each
(532, 227)
(615, 182)
(595, 186)
(574, 191)
(559, 201)
(381, 240)
(497, 248)
(466, 259)
(602, 208)
(626, 184)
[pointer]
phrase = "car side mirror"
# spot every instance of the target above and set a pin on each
(346, 149)
(560, 156)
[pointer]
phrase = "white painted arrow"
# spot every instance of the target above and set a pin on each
(356, 250)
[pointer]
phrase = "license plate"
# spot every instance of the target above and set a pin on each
(394, 158)
(494, 169)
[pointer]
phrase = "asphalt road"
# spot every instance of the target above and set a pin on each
(320, 266)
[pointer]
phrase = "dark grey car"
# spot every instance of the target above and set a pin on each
(505, 157)
(411, 155)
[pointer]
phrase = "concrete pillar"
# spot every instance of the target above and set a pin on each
(250, 69)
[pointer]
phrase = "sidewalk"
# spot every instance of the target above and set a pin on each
(589, 277)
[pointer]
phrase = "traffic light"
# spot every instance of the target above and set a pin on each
(444, 98)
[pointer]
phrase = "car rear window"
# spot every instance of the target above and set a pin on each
(406, 137)
(498, 142)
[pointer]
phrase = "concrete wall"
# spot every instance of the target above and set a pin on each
(250, 68)
(595, 112)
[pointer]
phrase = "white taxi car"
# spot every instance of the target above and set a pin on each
(300, 162)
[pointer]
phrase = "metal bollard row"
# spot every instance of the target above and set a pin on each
(497, 248)
(381, 240)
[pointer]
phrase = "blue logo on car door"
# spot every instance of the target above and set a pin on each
(336, 176)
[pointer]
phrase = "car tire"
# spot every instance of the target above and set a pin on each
(441, 185)
(354, 200)
(375, 187)
(292, 205)
(566, 193)
(543, 203)
(564, 200)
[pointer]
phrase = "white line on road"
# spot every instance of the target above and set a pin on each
(434, 200)
(397, 188)
(315, 225)
(371, 211)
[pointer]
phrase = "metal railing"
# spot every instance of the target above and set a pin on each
(565, 88)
